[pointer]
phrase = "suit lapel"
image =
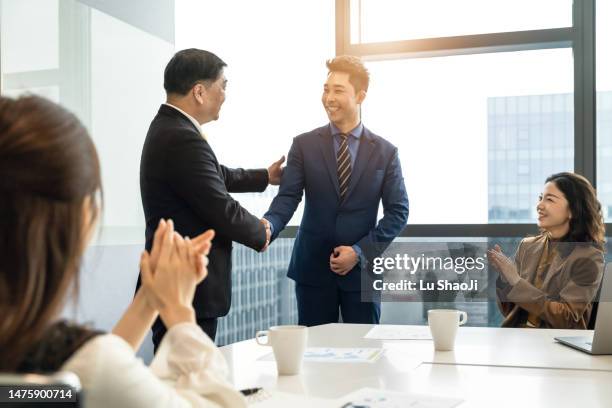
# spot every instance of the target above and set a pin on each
(367, 145)
(532, 256)
(558, 261)
(327, 149)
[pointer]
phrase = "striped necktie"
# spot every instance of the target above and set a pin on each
(344, 165)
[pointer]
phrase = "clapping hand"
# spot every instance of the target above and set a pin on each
(170, 285)
(201, 244)
(504, 265)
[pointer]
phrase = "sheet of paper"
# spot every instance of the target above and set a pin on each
(342, 355)
(373, 398)
(336, 355)
(396, 332)
(278, 399)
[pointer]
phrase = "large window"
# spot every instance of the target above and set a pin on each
(477, 134)
(484, 100)
(604, 106)
(393, 20)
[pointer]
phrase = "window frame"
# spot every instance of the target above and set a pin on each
(580, 37)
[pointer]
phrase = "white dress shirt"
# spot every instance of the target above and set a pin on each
(187, 371)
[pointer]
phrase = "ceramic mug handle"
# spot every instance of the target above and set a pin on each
(261, 334)
(462, 318)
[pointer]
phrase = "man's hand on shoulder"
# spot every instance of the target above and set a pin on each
(343, 260)
(275, 171)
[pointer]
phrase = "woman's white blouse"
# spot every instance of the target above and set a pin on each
(188, 370)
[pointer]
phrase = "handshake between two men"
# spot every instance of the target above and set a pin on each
(344, 169)
(342, 259)
(275, 172)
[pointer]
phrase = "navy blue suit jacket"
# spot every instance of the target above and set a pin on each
(327, 222)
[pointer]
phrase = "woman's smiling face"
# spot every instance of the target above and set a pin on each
(553, 211)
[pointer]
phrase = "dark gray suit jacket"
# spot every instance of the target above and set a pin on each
(181, 179)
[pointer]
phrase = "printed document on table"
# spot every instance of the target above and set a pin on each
(342, 355)
(279, 399)
(398, 332)
(373, 398)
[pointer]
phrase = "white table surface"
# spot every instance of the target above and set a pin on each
(504, 367)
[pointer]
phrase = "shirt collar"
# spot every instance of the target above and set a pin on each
(191, 119)
(356, 133)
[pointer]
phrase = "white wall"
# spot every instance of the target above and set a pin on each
(276, 52)
(127, 67)
(126, 90)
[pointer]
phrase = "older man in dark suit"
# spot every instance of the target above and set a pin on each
(181, 179)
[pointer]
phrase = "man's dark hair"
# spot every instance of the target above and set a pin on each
(190, 66)
(359, 76)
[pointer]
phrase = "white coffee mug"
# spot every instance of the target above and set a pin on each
(288, 344)
(443, 324)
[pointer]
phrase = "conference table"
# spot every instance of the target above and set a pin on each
(499, 367)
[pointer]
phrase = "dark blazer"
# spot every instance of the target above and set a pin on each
(181, 179)
(327, 222)
(568, 289)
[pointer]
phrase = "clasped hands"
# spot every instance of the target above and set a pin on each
(505, 266)
(266, 225)
(173, 269)
(275, 171)
(343, 259)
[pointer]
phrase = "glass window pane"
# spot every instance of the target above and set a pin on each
(393, 20)
(604, 107)
(477, 134)
(30, 35)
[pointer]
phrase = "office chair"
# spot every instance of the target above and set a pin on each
(594, 307)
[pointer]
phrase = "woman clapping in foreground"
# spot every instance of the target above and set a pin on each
(49, 189)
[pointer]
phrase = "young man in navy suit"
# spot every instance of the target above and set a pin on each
(346, 171)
